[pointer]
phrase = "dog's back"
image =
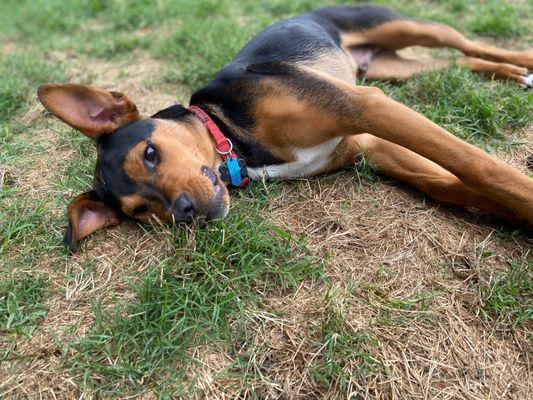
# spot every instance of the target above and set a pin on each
(304, 37)
(311, 40)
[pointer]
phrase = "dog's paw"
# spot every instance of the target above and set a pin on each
(526, 80)
(520, 75)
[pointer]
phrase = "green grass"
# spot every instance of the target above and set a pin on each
(507, 298)
(203, 292)
(21, 73)
(405, 311)
(498, 20)
(22, 296)
(468, 105)
(343, 354)
(199, 296)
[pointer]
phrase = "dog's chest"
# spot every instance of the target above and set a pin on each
(308, 161)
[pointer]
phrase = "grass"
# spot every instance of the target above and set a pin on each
(321, 286)
(467, 105)
(507, 298)
(21, 302)
(21, 72)
(498, 20)
(200, 296)
(343, 354)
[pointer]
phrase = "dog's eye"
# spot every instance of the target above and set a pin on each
(150, 154)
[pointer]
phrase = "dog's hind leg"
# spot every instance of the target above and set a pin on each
(372, 34)
(400, 33)
(389, 66)
(322, 108)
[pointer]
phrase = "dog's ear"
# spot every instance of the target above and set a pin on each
(90, 110)
(87, 214)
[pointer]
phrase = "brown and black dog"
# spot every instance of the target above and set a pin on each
(289, 105)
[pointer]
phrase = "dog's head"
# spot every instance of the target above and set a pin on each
(159, 168)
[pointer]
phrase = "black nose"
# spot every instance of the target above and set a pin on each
(184, 208)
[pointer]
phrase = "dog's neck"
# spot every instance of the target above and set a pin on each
(232, 170)
(181, 114)
(236, 126)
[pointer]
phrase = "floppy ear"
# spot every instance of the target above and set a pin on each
(87, 214)
(90, 110)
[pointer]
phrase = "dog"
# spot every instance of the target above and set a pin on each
(288, 106)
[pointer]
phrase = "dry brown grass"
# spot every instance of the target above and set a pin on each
(121, 252)
(383, 241)
(386, 239)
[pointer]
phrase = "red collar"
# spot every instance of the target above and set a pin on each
(223, 145)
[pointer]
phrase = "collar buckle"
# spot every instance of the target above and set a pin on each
(223, 153)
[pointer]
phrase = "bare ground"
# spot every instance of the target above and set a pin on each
(383, 241)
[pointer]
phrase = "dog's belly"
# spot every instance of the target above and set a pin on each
(308, 161)
(337, 64)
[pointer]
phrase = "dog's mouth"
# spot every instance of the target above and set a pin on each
(206, 201)
(217, 207)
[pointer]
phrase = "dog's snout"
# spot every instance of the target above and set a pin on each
(184, 208)
(208, 172)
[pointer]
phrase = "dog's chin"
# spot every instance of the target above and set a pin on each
(219, 206)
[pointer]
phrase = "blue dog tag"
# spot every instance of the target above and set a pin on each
(234, 171)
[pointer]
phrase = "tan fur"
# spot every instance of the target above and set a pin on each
(337, 64)
(174, 142)
(323, 124)
(398, 34)
(155, 210)
(282, 123)
(390, 66)
(292, 121)
(87, 215)
(88, 109)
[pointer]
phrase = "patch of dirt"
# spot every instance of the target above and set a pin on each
(394, 244)
(10, 44)
(139, 77)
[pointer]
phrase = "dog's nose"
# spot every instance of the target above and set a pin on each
(184, 208)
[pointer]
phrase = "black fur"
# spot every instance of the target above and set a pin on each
(351, 18)
(233, 90)
(176, 112)
(111, 181)
(271, 53)
(291, 40)
(68, 239)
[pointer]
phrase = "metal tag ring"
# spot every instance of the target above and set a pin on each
(225, 152)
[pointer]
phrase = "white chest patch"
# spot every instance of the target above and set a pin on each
(308, 161)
